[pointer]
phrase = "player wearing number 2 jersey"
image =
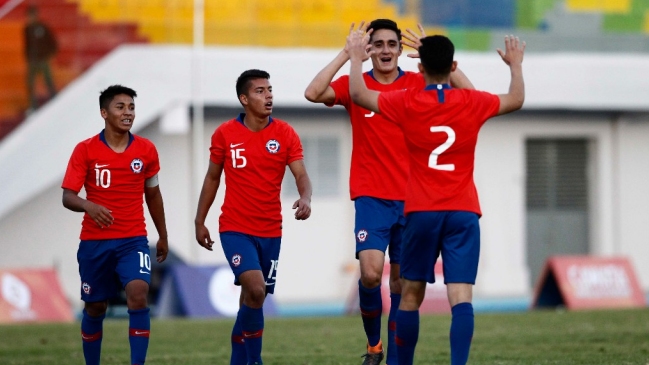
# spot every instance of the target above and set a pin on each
(253, 151)
(378, 175)
(440, 125)
(116, 168)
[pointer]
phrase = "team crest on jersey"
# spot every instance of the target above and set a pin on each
(137, 165)
(361, 235)
(236, 260)
(86, 287)
(272, 146)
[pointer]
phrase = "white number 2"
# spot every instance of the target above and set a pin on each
(432, 160)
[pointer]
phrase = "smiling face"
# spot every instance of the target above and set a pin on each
(387, 49)
(258, 99)
(120, 114)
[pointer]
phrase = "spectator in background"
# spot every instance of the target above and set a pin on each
(40, 47)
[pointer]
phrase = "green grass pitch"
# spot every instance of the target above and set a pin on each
(538, 337)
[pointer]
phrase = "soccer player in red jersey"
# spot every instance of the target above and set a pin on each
(379, 171)
(116, 168)
(253, 151)
(440, 125)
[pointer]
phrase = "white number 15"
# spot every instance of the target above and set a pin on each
(432, 160)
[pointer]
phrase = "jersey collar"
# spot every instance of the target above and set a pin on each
(243, 115)
(102, 137)
(440, 90)
(401, 73)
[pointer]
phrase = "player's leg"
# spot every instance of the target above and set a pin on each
(395, 281)
(373, 223)
(253, 261)
(239, 356)
(134, 270)
(407, 318)
(420, 249)
(460, 255)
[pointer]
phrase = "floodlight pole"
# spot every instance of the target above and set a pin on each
(198, 117)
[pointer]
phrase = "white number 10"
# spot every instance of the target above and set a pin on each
(432, 160)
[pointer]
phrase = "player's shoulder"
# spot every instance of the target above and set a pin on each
(282, 125)
(88, 143)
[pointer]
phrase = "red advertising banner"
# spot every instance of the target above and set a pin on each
(435, 300)
(32, 295)
(584, 282)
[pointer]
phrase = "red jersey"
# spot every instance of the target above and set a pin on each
(254, 164)
(379, 166)
(113, 180)
(441, 131)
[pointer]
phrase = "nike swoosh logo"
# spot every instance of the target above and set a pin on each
(251, 334)
(141, 332)
(144, 272)
(98, 166)
(232, 145)
(269, 284)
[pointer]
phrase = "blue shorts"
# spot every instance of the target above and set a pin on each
(106, 266)
(246, 252)
(456, 234)
(379, 226)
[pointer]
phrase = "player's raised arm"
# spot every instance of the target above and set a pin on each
(302, 206)
(412, 39)
(513, 57)
(319, 90)
(357, 47)
(208, 193)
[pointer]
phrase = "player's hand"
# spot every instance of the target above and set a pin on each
(358, 46)
(361, 27)
(514, 51)
(100, 214)
(203, 237)
(162, 249)
(413, 40)
(303, 208)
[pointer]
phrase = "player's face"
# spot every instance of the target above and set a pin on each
(259, 99)
(120, 113)
(387, 49)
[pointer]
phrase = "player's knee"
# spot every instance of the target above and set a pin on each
(395, 285)
(254, 296)
(371, 279)
(96, 309)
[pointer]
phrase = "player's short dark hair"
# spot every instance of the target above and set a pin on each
(107, 95)
(243, 82)
(436, 53)
(377, 24)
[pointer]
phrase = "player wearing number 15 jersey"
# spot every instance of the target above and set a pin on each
(116, 169)
(253, 151)
(440, 125)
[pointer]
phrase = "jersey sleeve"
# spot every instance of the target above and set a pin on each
(75, 174)
(485, 104)
(217, 148)
(341, 89)
(296, 152)
(154, 164)
(391, 105)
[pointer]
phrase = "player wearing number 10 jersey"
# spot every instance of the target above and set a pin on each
(440, 125)
(253, 151)
(117, 169)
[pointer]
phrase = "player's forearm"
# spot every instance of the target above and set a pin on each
(517, 85)
(316, 89)
(459, 80)
(156, 209)
(73, 202)
(358, 91)
(205, 200)
(304, 187)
